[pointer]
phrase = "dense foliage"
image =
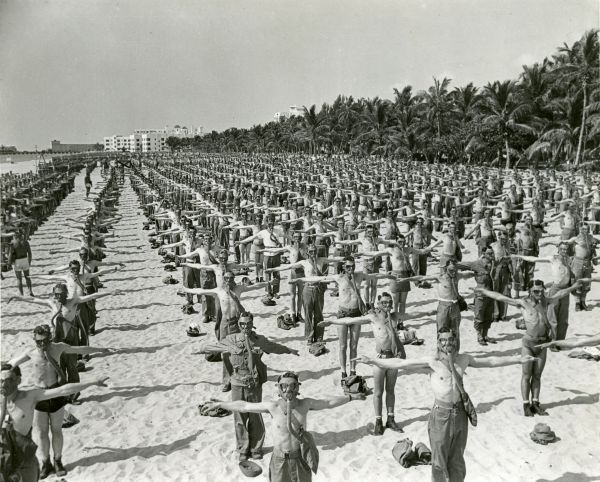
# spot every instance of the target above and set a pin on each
(550, 115)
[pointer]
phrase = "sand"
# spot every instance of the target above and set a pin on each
(146, 425)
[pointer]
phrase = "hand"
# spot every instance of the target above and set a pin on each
(323, 324)
(549, 344)
(295, 352)
(212, 405)
(101, 382)
(528, 358)
(118, 292)
(363, 359)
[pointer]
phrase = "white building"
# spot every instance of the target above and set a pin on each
(149, 140)
(294, 110)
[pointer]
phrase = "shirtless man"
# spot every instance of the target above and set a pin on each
(448, 426)
(295, 252)
(387, 344)
(561, 277)
(19, 405)
(269, 240)
(65, 321)
(313, 291)
(540, 329)
(581, 263)
(400, 257)
(290, 416)
(20, 259)
(451, 245)
(48, 374)
(245, 351)
(228, 293)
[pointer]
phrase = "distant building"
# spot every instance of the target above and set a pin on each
(148, 140)
(8, 150)
(294, 110)
(57, 147)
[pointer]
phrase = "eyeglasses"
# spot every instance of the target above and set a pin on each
(386, 302)
(538, 292)
(288, 386)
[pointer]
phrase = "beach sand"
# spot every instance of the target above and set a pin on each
(146, 425)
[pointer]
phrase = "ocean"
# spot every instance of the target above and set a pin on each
(20, 163)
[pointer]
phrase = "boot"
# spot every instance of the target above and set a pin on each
(58, 467)
(47, 469)
(391, 424)
(537, 409)
(378, 430)
(527, 409)
(488, 339)
(481, 338)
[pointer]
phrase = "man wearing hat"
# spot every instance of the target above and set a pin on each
(245, 350)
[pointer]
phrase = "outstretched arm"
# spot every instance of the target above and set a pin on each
(498, 361)
(68, 389)
(240, 406)
(359, 320)
(570, 343)
(499, 297)
(324, 404)
(397, 363)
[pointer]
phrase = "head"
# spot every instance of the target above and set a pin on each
(223, 256)
(488, 256)
(270, 222)
(229, 279)
(369, 231)
(447, 342)
(385, 302)
(536, 290)
(289, 386)
(74, 266)
(563, 249)
(401, 240)
(10, 378)
(450, 267)
(60, 292)
(349, 265)
(246, 323)
(42, 336)
(84, 254)
(312, 251)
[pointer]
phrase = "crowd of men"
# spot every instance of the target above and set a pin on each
(350, 225)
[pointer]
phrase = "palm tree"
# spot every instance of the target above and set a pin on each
(466, 101)
(376, 126)
(315, 129)
(578, 67)
(503, 110)
(437, 103)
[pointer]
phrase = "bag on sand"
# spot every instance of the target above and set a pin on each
(285, 322)
(317, 348)
(355, 384)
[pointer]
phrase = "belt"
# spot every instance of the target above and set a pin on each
(442, 300)
(294, 454)
(447, 405)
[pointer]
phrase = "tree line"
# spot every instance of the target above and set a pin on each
(549, 115)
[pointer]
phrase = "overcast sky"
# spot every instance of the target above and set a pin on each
(78, 70)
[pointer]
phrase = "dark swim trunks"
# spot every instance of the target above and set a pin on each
(52, 405)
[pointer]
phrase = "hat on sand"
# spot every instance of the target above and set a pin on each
(403, 452)
(250, 469)
(542, 434)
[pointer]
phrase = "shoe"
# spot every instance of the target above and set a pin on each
(537, 409)
(378, 430)
(487, 338)
(193, 332)
(47, 469)
(585, 307)
(352, 373)
(206, 319)
(481, 339)
(226, 387)
(86, 357)
(256, 455)
(527, 410)
(392, 425)
(300, 319)
(578, 307)
(80, 366)
(58, 467)
(243, 457)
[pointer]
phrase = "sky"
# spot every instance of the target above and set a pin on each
(78, 70)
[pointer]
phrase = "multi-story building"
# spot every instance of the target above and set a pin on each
(57, 147)
(148, 140)
(294, 110)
